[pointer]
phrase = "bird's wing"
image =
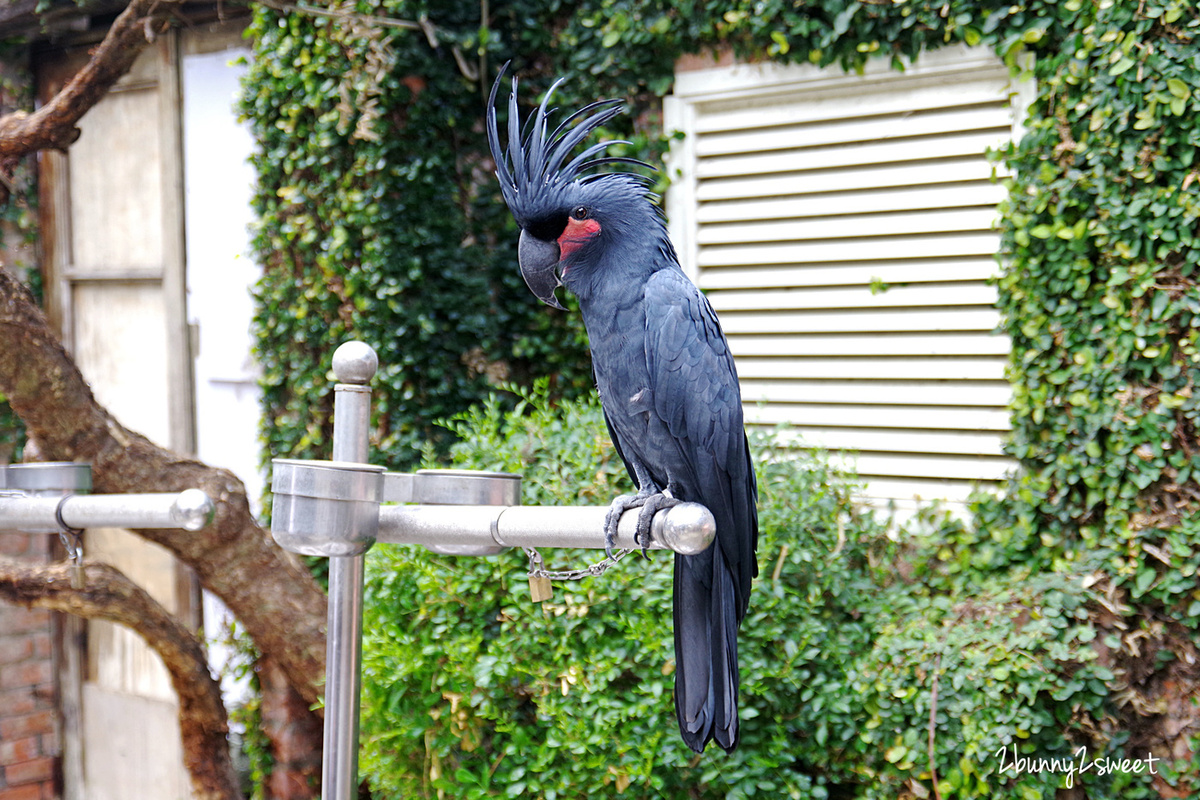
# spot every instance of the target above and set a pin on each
(695, 392)
(615, 437)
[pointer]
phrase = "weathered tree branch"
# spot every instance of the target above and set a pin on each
(107, 594)
(274, 597)
(53, 125)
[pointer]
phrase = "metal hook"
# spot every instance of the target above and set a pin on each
(72, 539)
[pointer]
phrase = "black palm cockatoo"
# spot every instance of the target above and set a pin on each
(665, 375)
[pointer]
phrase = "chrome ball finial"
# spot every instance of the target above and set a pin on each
(355, 362)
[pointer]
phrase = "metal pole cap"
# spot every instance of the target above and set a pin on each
(355, 362)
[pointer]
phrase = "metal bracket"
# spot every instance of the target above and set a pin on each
(328, 508)
(341, 508)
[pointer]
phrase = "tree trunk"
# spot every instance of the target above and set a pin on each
(291, 727)
(107, 594)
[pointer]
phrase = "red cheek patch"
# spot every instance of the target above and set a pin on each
(576, 235)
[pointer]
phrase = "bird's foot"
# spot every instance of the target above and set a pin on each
(651, 506)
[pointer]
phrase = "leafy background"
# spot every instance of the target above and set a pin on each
(1062, 614)
(471, 690)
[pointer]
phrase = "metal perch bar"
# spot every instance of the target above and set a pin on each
(687, 528)
(190, 510)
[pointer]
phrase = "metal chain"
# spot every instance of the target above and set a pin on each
(537, 567)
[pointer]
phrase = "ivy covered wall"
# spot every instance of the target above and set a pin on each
(380, 220)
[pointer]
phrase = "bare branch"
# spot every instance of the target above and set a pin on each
(53, 125)
(107, 594)
(421, 24)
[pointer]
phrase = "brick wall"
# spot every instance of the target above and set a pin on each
(29, 746)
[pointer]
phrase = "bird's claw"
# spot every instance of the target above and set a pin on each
(650, 504)
(612, 520)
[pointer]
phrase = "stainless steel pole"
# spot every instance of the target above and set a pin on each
(190, 510)
(687, 528)
(354, 364)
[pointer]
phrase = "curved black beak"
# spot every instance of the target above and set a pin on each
(539, 260)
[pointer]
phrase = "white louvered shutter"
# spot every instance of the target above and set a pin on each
(842, 226)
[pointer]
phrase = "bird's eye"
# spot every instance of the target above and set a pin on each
(580, 213)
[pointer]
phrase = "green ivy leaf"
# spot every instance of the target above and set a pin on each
(1122, 66)
(1145, 578)
(1178, 88)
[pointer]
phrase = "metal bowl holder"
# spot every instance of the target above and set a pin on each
(339, 509)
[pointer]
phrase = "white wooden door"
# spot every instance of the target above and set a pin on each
(114, 252)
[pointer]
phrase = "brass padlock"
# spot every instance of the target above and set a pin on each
(540, 588)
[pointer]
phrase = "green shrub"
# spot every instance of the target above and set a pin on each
(471, 690)
(379, 219)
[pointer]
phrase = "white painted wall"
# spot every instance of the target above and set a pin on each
(218, 181)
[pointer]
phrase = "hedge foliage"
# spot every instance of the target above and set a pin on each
(472, 691)
(1063, 614)
(1099, 297)
(379, 220)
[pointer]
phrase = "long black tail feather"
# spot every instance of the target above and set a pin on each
(706, 659)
